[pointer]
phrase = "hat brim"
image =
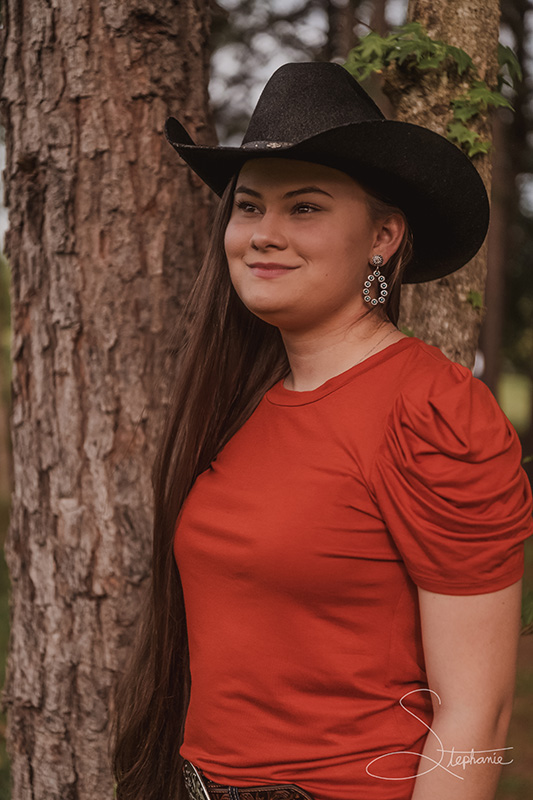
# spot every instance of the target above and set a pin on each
(424, 174)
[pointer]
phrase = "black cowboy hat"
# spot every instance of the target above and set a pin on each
(318, 112)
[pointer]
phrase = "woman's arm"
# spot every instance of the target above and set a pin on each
(470, 645)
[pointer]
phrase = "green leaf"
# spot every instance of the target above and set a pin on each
(403, 56)
(482, 146)
(414, 27)
(507, 58)
(363, 71)
(430, 63)
(360, 70)
(463, 110)
(481, 94)
(409, 47)
(460, 133)
(461, 58)
(407, 331)
(371, 45)
(475, 298)
(502, 80)
(370, 55)
(469, 139)
(527, 459)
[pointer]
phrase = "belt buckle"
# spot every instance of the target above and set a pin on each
(193, 782)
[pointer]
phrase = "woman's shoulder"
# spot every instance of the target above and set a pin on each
(426, 366)
(438, 402)
(429, 378)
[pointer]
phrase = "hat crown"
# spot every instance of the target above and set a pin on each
(307, 98)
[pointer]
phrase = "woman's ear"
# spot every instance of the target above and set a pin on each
(389, 235)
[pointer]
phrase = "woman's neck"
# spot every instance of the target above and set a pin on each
(316, 356)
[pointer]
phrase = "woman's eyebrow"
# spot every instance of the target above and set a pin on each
(246, 190)
(293, 193)
(307, 190)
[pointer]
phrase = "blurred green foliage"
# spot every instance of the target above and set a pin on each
(515, 395)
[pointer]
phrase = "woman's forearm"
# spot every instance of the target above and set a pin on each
(463, 756)
(470, 647)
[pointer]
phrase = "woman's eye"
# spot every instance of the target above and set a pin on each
(305, 208)
(243, 205)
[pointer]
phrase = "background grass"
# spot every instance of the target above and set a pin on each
(515, 397)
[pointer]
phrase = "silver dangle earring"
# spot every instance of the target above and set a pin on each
(381, 285)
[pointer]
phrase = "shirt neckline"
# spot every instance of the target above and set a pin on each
(280, 396)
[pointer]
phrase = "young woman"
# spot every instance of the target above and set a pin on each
(339, 509)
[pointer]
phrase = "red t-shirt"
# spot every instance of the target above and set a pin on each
(300, 549)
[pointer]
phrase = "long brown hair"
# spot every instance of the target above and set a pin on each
(227, 358)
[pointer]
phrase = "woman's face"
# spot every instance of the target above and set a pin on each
(298, 243)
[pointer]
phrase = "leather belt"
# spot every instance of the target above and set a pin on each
(201, 788)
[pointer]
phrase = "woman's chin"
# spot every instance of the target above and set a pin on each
(268, 309)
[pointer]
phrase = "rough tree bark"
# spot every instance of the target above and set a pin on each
(105, 231)
(6, 470)
(439, 312)
(5, 452)
(5, 458)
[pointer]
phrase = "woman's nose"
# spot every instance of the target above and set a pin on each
(268, 233)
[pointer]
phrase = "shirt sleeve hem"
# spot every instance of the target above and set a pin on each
(440, 586)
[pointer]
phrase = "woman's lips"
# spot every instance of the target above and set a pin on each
(270, 269)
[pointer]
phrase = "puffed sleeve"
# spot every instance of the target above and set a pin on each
(449, 484)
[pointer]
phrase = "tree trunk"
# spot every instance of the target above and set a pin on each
(5, 455)
(6, 471)
(105, 232)
(341, 29)
(439, 311)
(503, 203)
(5, 450)
(378, 21)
